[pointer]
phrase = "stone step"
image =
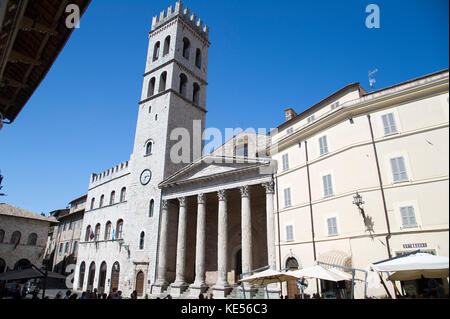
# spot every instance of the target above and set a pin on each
(236, 293)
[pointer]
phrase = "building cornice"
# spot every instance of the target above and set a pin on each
(366, 104)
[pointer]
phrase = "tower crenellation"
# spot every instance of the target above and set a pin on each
(184, 14)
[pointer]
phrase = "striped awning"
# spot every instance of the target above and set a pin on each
(335, 257)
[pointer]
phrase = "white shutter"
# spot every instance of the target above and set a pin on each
(389, 124)
(289, 233)
(408, 216)
(399, 169)
(323, 145)
(285, 162)
(327, 185)
(332, 226)
(287, 197)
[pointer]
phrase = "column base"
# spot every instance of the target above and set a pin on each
(177, 288)
(159, 287)
(273, 291)
(247, 292)
(197, 288)
(221, 291)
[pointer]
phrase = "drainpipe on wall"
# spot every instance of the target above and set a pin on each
(381, 188)
(278, 222)
(311, 209)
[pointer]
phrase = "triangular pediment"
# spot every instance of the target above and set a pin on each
(214, 166)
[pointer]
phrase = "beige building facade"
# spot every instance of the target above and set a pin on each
(23, 237)
(64, 239)
(389, 146)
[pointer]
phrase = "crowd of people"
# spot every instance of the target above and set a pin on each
(115, 294)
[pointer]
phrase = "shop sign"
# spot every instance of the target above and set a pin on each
(418, 245)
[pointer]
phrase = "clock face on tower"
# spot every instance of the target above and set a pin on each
(146, 175)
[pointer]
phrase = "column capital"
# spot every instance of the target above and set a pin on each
(244, 191)
(164, 204)
(270, 187)
(201, 198)
(182, 201)
(222, 194)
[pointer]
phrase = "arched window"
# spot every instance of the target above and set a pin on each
(60, 248)
(102, 279)
(112, 198)
(92, 202)
(97, 232)
(2, 235)
(196, 94)
(141, 241)
(22, 264)
(151, 87)
(119, 229)
(15, 238)
(108, 231)
(156, 51)
(166, 45)
(102, 199)
(66, 248)
(123, 194)
(183, 84)
(198, 58)
(148, 148)
(91, 275)
(151, 208)
(186, 48)
(162, 81)
(87, 237)
(32, 239)
(81, 275)
(74, 248)
(115, 274)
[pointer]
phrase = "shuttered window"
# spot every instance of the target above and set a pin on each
(323, 145)
(399, 169)
(389, 124)
(408, 216)
(287, 197)
(327, 185)
(285, 162)
(332, 226)
(289, 233)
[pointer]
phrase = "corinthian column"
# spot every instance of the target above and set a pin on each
(161, 282)
(271, 255)
(222, 287)
(200, 243)
(180, 282)
(246, 223)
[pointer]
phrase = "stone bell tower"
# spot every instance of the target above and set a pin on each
(172, 107)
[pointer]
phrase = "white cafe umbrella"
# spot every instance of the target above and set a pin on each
(268, 276)
(341, 273)
(319, 273)
(414, 266)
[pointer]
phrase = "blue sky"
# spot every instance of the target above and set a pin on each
(264, 56)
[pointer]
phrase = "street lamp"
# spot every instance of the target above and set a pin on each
(357, 200)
